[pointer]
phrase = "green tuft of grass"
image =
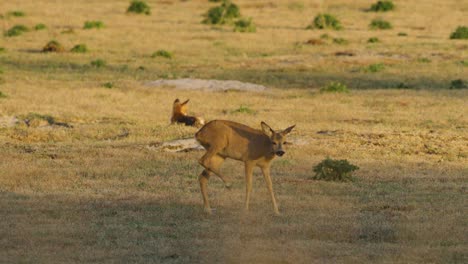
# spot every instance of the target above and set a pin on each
(98, 63)
(2, 49)
(340, 41)
(377, 67)
(2, 95)
(53, 46)
(458, 84)
(373, 40)
(16, 31)
(79, 48)
(139, 7)
(460, 33)
(334, 170)
(16, 13)
(325, 21)
(108, 85)
(382, 6)
(463, 62)
(162, 53)
(334, 87)
(402, 34)
(93, 24)
(243, 109)
(379, 23)
(424, 60)
(40, 26)
(244, 25)
(222, 14)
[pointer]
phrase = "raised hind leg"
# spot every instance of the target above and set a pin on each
(212, 162)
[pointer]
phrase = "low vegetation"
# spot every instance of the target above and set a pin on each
(2, 95)
(53, 46)
(334, 87)
(244, 25)
(460, 33)
(79, 48)
(458, 84)
(16, 31)
(16, 13)
(379, 23)
(325, 21)
(162, 54)
(98, 63)
(40, 26)
(382, 6)
(93, 24)
(334, 170)
(225, 13)
(139, 7)
(373, 40)
(243, 109)
(376, 67)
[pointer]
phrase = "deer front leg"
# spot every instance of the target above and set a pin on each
(203, 179)
(266, 175)
(248, 183)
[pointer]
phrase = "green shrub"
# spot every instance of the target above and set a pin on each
(379, 23)
(80, 48)
(98, 63)
(424, 60)
(402, 34)
(382, 6)
(16, 31)
(139, 7)
(340, 41)
(16, 13)
(458, 84)
(93, 24)
(334, 87)
(244, 25)
(162, 53)
(40, 26)
(2, 95)
(460, 33)
(377, 67)
(222, 14)
(334, 170)
(324, 21)
(373, 40)
(53, 46)
(2, 49)
(108, 85)
(243, 109)
(463, 62)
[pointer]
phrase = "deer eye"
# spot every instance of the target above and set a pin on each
(274, 143)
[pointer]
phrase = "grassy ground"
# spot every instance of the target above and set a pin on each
(96, 190)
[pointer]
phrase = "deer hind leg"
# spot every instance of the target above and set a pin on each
(212, 162)
(203, 179)
(248, 183)
(266, 175)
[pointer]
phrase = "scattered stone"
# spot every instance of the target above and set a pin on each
(178, 145)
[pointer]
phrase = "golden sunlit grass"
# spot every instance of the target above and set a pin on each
(95, 190)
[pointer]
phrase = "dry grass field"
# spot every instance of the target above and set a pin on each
(88, 185)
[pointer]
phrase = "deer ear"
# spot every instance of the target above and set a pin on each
(287, 130)
(176, 101)
(186, 102)
(267, 129)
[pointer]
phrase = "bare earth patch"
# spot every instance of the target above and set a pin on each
(207, 85)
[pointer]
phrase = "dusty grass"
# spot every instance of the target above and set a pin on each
(98, 192)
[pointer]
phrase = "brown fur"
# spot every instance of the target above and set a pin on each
(179, 115)
(226, 139)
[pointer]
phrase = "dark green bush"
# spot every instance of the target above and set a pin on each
(382, 6)
(460, 33)
(222, 14)
(53, 46)
(377, 67)
(324, 21)
(98, 63)
(2, 95)
(334, 170)
(162, 53)
(379, 23)
(334, 87)
(244, 25)
(458, 84)
(139, 7)
(402, 34)
(373, 40)
(93, 24)
(40, 26)
(80, 48)
(2, 49)
(16, 31)
(16, 13)
(108, 85)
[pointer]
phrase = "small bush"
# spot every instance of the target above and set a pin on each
(80, 48)
(2, 49)
(139, 7)
(334, 170)
(98, 63)
(373, 40)
(2, 95)
(16, 13)
(340, 41)
(162, 53)
(377, 67)
(334, 87)
(458, 84)
(222, 14)
(40, 26)
(460, 33)
(424, 60)
(324, 21)
(402, 34)
(16, 31)
(382, 6)
(463, 62)
(243, 109)
(53, 46)
(108, 85)
(379, 23)
(93, 24)
(244, 25)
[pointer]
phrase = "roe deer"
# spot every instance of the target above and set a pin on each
(226, 139)
(179, 115)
